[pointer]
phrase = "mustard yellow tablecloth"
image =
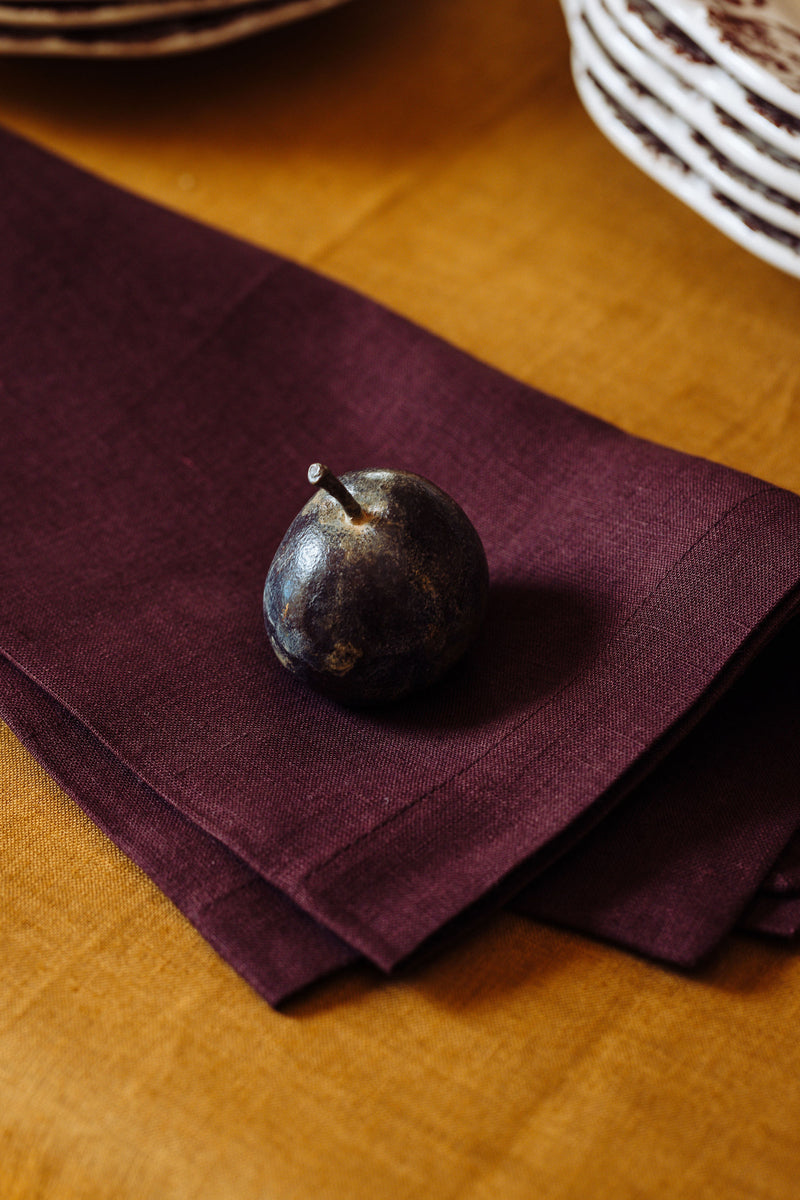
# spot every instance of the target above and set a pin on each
(433, 154)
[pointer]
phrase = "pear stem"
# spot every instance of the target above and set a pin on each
(321, 476)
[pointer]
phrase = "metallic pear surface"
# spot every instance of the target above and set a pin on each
(370, 604)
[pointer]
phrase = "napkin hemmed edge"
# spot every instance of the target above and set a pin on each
(276, 947)
(388, 915)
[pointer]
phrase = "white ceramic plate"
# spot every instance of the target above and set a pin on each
(664, 43)
(179, 35)
(691, 148)
(656, 159)
(741, 149)
(756, 41)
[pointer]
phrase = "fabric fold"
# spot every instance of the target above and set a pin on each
(689, 853)
(273, 944)
(164, 388)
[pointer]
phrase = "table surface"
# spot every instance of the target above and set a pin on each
(433, 154)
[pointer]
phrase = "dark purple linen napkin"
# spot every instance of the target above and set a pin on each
(785, 875)
(163, 389)
(708, 825)
(275, 946)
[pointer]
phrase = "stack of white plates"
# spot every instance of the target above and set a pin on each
(137, 28)
(703, 95)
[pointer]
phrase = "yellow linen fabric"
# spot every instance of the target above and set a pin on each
(433, 154)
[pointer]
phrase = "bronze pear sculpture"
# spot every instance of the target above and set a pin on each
(378, 587)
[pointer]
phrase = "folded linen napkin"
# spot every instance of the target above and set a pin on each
(599, 755)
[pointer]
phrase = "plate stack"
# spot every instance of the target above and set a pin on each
(139, 28)
(703, 95)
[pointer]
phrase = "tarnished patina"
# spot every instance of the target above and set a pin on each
(378, 587)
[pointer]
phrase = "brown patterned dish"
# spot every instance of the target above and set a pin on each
(55, 16)
(634, 93)
(642, 123)
(657, 159)
(200, 28)
(756, 41)
(772, 165)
